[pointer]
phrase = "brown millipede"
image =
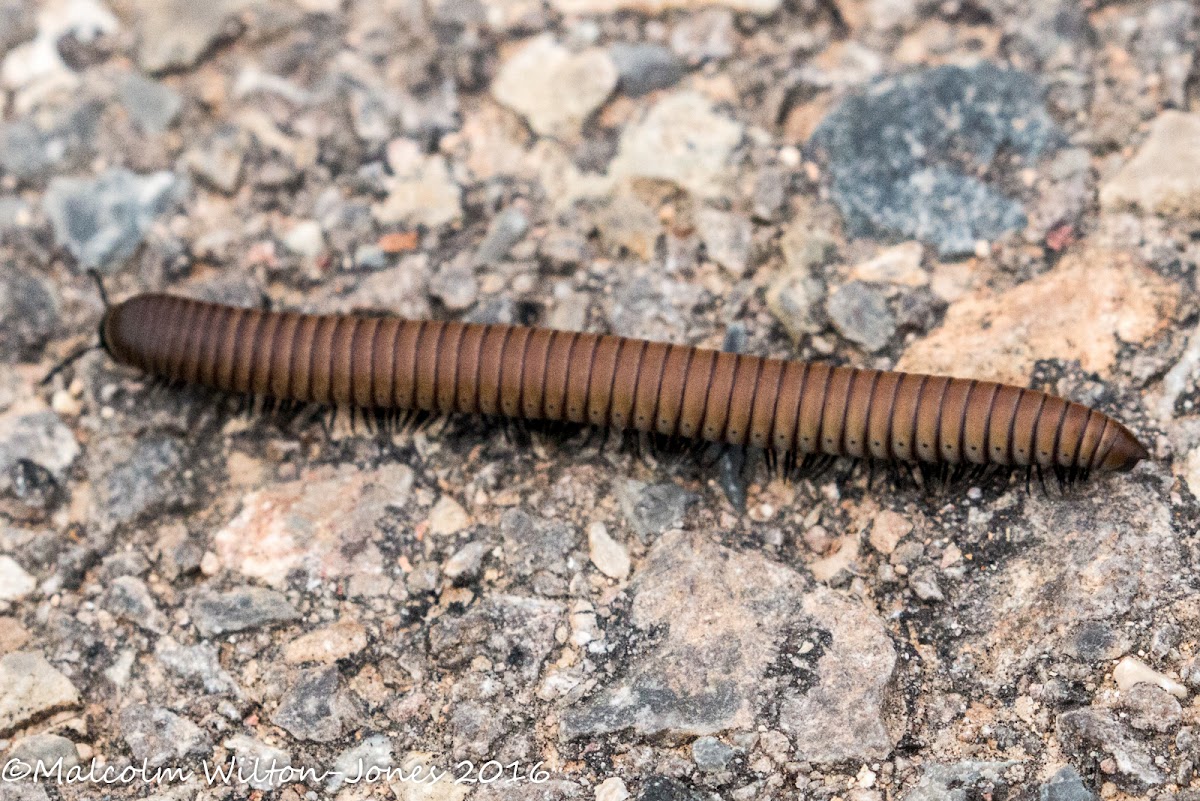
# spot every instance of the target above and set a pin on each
(796, 410)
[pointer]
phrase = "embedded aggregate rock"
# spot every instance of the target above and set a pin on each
(199, 663)
(28, 312)
(159, 736)
(217, 613)
(513, 630)
(554, 89)
(31, 688)
(898, 170)
(1093, 733)
(313, 708)
(1162, 177)
(1102, 299)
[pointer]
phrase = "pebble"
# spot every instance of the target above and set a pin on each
(305, 239)
(30, 689)
(506, 230)
(15, 583)
(102, 221)
(727, 238)
(609, 556)
(218, 162)
(888, 529)
(1091, 729)
(888, 153)
(656, 7)
(455, 285)
(958, 780)
(899, 265)
(1103, 297)
(176, 33)
(312, 708)
(645, 68)
(653, 508)
(1065, 785)
(553, 89)
(466, 564)
(374, 752)
(217, 613)
(533, 544)
(47, 749)
(200, 663)
(38, 437)
(420, 190)
(151, 105)
(448, 517)
(924, 584)
(1152, 708)
(612, 789)
(150, 478)
(1164, 176)
(683, 140)
(256, 760)
(860, 313)
(1131, 671)
(129, 598)
(710, 754)
(796, 298)
(159, 736)
(327, 644)
(26, 153)
(517, 631)
(706, 35)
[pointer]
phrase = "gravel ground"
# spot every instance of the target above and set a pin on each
(992, 188)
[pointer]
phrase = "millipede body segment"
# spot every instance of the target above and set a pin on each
(795, 408)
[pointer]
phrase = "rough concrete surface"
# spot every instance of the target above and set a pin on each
(1001, 189)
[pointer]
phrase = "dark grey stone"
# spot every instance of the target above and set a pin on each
(151, 479)
(643, 68)
(533, 544)
(47, 749)
(25, 151)
(514, 631)
(507, 229)
(653, 508)
(664, 788)
(1066, 785)
(711, 754)
(102, 221)
(200, 662)
(1090, 730)
(240, 609)
(129, 598)
(899, 170)
(311, 710)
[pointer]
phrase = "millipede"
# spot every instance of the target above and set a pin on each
(799, 413)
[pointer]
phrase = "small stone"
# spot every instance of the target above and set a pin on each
(507, 229)
(957, 781)
(152, 478)
(30, 689)
(924, 584)
(129, 598)
(373, 753)
(656, 7)
(727, 238)
(555, 90)
(683, 140)
(1151, 708)
(263, 765)
(707, 35)
(795, 298)
(466, 564)
(609, 556)
(200, 662)
(888, 529)
(455, 285)
(420, 191)
(922, 184)
(240, 609)
(710, 754)
(860, 313)
(1090, 730)
(1164, 176)
(26, 153)
(370, 257)
(1131, 671)
(533, 544)
(15, 583)
(39, 437)
(102, 221)
(653, 508)
(176, 33)
(46, 749)
(152, 106)
(13, 635)
(327, 644)
(612, 789)
(305, 239)
(899, 265)
(399, 242)
(312, 708)
(1065, 785)
(644, 68)
(448, 517)
(218, 162)
(159, 736)
(835, 567)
